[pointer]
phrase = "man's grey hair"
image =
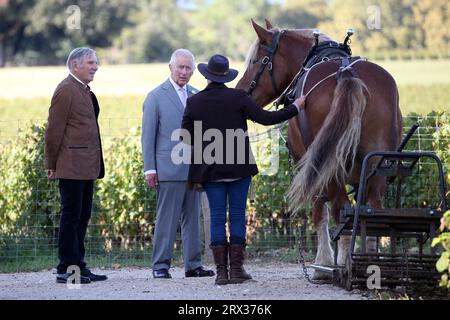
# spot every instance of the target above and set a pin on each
(77, 55)
(182, 52)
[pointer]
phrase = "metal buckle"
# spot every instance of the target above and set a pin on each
(265, 60)
(269, 66)
(253, 84)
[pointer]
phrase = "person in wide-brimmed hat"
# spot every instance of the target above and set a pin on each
(217, 69)
(221, 112)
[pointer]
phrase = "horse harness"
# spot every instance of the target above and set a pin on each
(320, 53)
(267, 61)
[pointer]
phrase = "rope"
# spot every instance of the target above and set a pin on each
(327, 77)
(255, 137)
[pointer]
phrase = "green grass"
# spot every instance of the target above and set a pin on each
(413, 98)
(138, 79)
(99, 261)
(26, 92)
(418, 72)
(138, 260)
(47, 260)
(424, 99)
(113, 80)
(135, 258)
(28, 265)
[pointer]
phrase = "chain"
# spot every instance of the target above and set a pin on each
(302, 240)
(302, 258)
(302, 245)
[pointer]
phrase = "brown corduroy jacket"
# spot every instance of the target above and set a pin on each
(72, 138)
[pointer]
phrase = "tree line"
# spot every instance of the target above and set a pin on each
(125, 31)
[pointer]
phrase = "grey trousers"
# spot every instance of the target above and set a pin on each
(176, 204)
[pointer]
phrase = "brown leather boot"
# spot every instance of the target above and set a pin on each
(220, 254)
(237, 272)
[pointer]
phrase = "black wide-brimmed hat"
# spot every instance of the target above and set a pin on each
(217, 69)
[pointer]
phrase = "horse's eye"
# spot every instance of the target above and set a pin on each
(254, 61)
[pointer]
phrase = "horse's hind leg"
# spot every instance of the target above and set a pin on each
(324, 256)
(339, 198)
(343, 249)
(376, 190)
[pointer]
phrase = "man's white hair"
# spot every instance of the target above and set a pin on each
(77, 55)
(182, 52)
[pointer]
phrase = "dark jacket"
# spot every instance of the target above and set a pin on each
(220, 108)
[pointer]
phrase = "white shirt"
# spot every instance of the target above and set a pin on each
(84, 84)
(182, 94)
(181, 91)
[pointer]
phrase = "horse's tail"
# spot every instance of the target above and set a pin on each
(333, 151)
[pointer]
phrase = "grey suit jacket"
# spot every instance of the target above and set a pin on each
(162, 115)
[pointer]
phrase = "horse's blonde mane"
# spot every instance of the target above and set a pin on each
(305, 34)
(251, 53)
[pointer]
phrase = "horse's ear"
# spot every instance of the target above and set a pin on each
(262, 33)
(268, 24)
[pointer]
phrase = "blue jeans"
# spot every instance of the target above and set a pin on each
(233, 194)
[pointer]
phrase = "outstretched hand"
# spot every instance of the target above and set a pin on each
(300, 103)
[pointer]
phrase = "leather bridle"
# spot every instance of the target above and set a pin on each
(267, 61)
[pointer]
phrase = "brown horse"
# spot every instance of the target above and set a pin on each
(347, 119)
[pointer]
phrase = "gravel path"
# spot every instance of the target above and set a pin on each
(273, 281)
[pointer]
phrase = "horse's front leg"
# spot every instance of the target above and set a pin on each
(325, 254)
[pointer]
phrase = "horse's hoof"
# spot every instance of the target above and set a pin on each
(318, 275)
(341, 261)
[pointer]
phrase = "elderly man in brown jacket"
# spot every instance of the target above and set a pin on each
(73, 154)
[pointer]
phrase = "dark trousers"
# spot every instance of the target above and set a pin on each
(76, 205)
(234, 196)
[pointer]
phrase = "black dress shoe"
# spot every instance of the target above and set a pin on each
(64, 277)
(93, 277)
(199, 272)
(161, 274)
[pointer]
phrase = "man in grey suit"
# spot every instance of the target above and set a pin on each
(163, 113)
